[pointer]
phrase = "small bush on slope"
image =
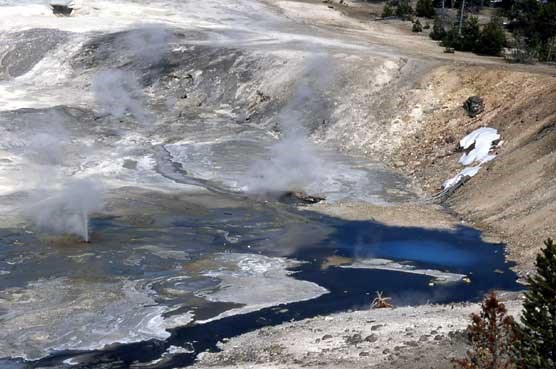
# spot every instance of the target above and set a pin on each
(491, 335)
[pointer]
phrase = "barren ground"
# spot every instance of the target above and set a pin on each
(423, 337)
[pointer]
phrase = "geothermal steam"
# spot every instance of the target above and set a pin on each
(62, 203)
(149, 44)
(117, 92)
(66, 209)
(294, 163)
(58, 202)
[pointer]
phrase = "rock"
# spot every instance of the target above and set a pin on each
(474, 106)
(61, 10)
(376, 327)
(300, 197)
(130, 164)
(354, 340)
(326, 337)
(363, 353)
(261, 97)
(371, 338)
(438, 337)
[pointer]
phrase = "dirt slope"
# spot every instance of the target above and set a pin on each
(514, 197)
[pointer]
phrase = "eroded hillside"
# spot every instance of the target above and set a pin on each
(514, 196)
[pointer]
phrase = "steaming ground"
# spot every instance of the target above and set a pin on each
(159, 130)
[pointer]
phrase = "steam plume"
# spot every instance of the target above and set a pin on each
(117, 93)
(66, 209)
(294, 163)
(58, 203)
(149, 43)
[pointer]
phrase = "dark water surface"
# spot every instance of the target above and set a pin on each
(458, 251)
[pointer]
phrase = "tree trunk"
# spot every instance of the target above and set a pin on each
(443, 2)
(461, 17)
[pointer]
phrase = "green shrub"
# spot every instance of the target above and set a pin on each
(438, 32)
(452, 39)
(470, 34)
(424, 8)
(404, 10)
(492, 39)
(417, 27)
(388, 11)
(537, 346)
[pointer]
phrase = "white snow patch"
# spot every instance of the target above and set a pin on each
(482, 140)
(469, 172)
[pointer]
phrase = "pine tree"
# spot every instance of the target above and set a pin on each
(424, 8)
(491, 335)
(537, 346)
(470, 34)
(438, 31)
(388, 11)
(404, 10)
(492, 39)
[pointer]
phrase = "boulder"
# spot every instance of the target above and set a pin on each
(61, 10)
(474, 106)
(300, 197)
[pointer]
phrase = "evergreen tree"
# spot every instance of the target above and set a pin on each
(535, 21)
(537, 347)
(438, 31)
(388, 11)
(424, 8)
(452, 38)
(417, 27)
(470, 34)
(492, 39)
(404, 10)
(491, 336)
